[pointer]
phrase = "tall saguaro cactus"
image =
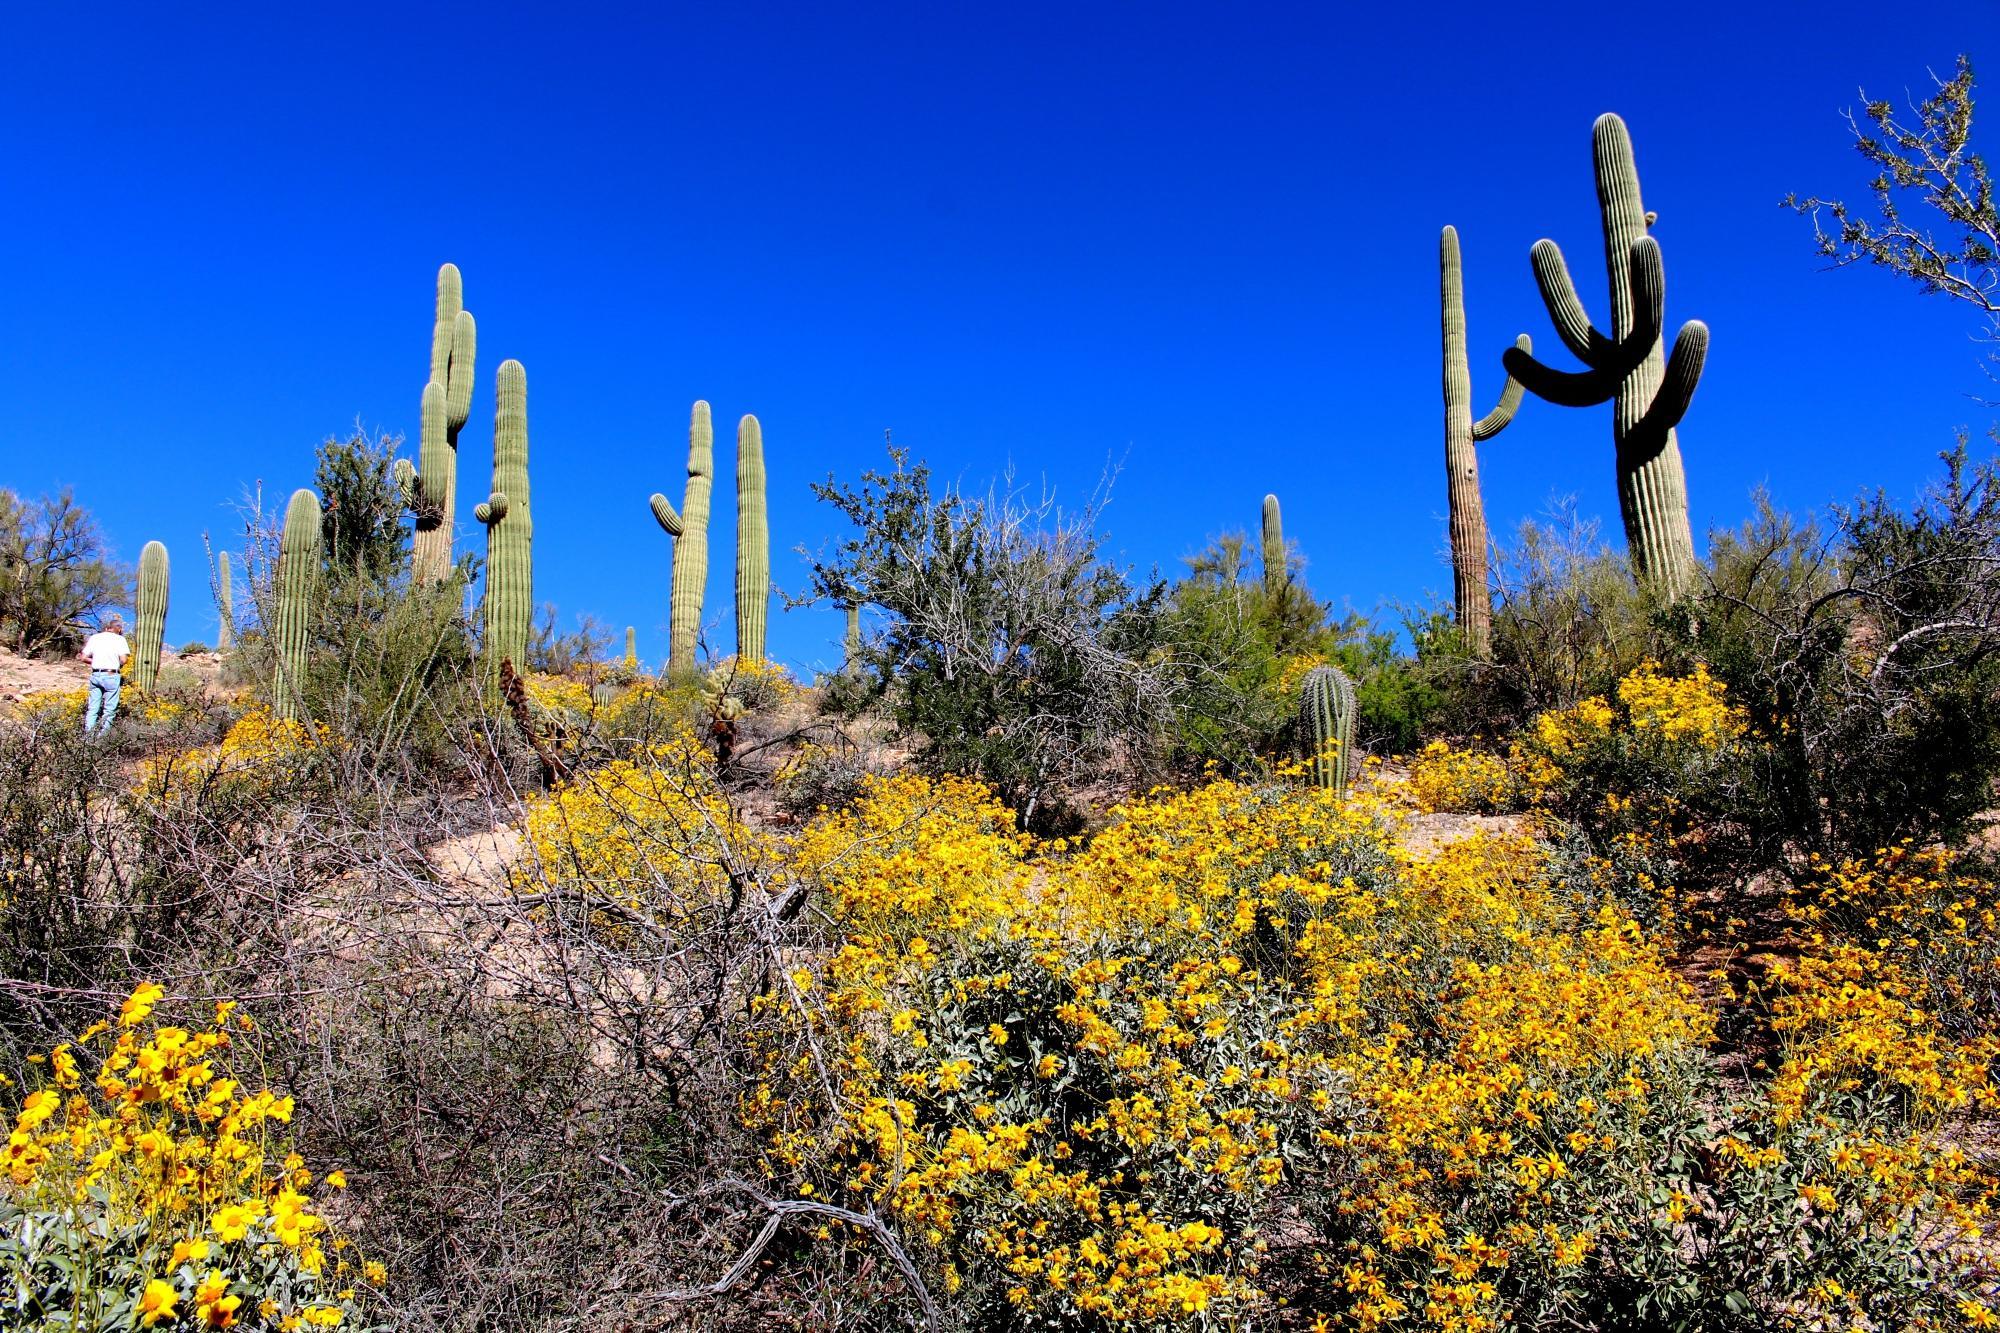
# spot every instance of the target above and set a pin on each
(1275, 572)
(1461, 460)
(225, 605)
(447, 402)
(151, 621)
(1651, 392)
(631, 648)
(1326, 724)
(852, 643)
(689, 529)
(299, 557)
(510, 526)
(753, 543)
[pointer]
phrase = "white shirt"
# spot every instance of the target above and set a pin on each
(106, 651)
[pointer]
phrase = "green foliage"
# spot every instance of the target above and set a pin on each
(1006, 647)
(54, 573)
(1932, 160)
(363, 534)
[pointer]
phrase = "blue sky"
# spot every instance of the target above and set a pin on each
(1198, 241)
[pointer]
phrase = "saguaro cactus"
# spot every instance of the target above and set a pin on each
(1461, 460)
(1275, 572)
(150, 625)
(299, 556)
(1326, 725)
(1651, 393)
(631, 648)
(689, 529)
(510, 526)
(447, 402)
(853, 641)
(225, 605)
(753, 543)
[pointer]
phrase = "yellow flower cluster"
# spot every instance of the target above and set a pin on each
(1447, 780)
(642, 840)
(261, 753)
(1688, 708)
(142, 1128)
(558, 694)
(1077, 1073)
(51, 707)
(1293, 670)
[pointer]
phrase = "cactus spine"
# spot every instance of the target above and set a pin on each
(1275, 572)
(1326, 724)
(299, 556)
(1651, 393)
(225, 605)
(1461, 460)
(689, 529)
(447, 401)
(510, 527)
(150, 625)
(753, 543)
(631, 648)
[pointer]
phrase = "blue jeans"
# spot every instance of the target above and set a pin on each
(103, 701)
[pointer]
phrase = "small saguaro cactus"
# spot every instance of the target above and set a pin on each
(432, 488)
(689, 529)
(631, 648)
(1275, 573)
(1473, 600)
(510, 527)
(299, 557)
(1326, 726)
(853, 640)
(1651, 392)
(753, 543)
(225, 605)
(150, 625)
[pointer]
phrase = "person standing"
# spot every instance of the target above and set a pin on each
(106, 652)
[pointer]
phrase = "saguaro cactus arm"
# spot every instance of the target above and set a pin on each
(1677, 385)
(663, 513)
(1609, 360)
(490, 510)
(1510, 400)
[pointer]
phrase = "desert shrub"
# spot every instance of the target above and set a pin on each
(1865, 648)
(193, 647)
(1008, 647)
(147, 1184)
(822, 777)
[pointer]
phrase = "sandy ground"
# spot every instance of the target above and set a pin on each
(21, 676)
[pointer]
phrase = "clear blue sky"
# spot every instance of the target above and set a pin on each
(1200, 240)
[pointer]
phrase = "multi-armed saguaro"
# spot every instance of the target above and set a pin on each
(151, 626)
(1275, 572)
(510, 526)
(299, 556)
(447, 401)
(1652, 393)
(1326, 724)
(1461, 459)
(753, 543)
(225, 605)
(689, 529)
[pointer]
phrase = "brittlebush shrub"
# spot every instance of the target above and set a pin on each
(1448, 780)
(148, 1186)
